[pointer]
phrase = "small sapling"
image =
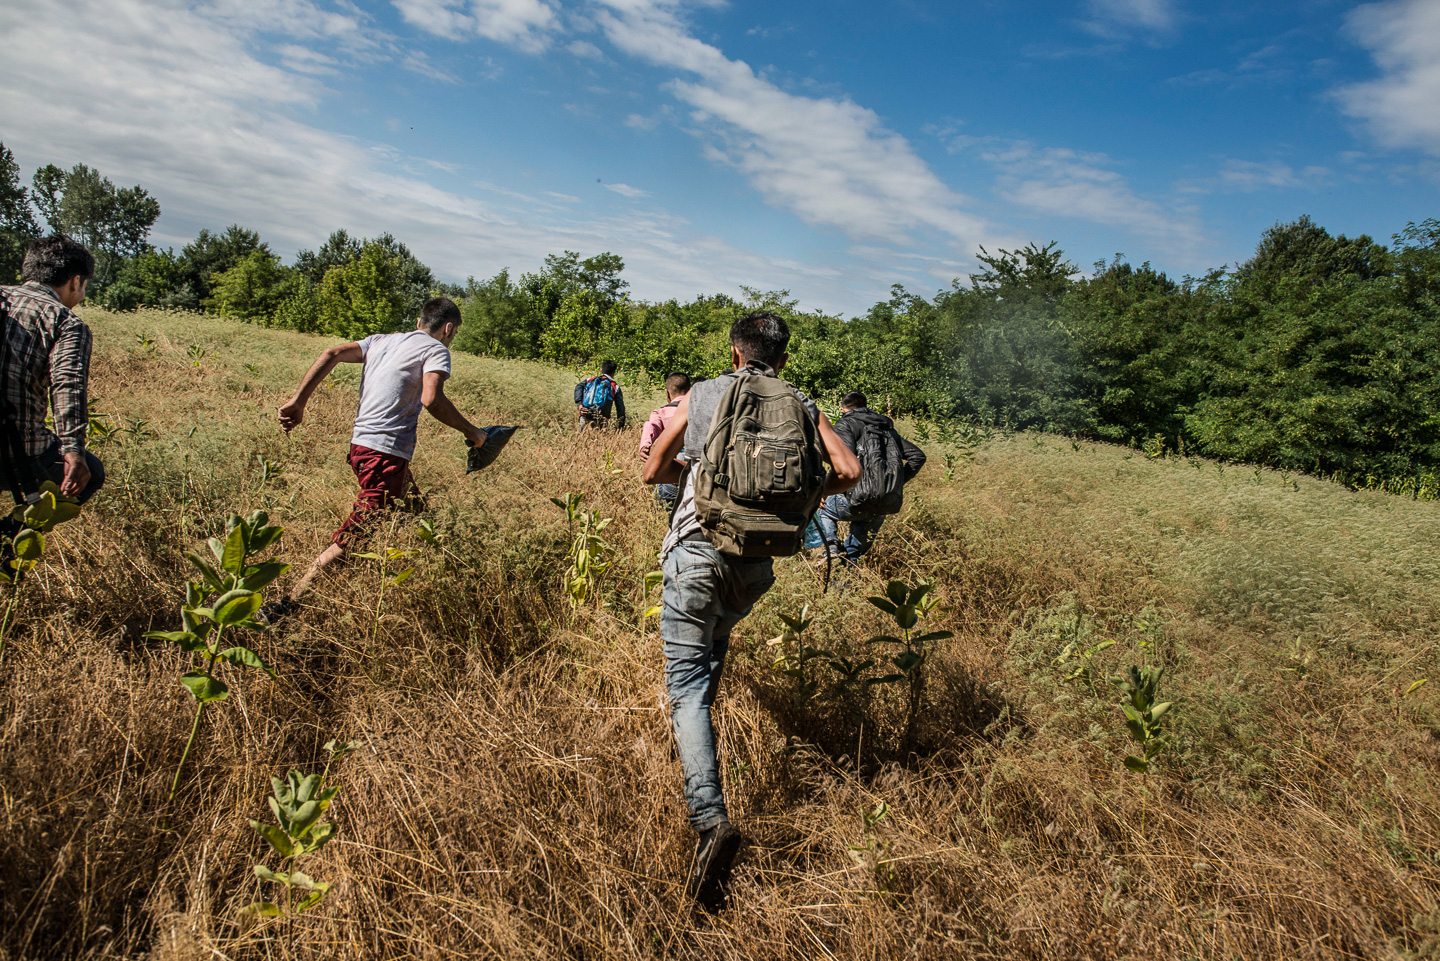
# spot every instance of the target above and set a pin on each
(298, 803)
(233, 585)
(907, 605)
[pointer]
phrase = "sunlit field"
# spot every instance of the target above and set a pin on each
(515, 793)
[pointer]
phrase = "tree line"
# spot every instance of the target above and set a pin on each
(1320, 353)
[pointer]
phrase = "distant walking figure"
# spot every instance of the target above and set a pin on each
(594, 396)
(403, 372)
(887, 463)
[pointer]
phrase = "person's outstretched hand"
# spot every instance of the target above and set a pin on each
(291, 415)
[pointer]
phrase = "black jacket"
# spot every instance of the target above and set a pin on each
(851, 423)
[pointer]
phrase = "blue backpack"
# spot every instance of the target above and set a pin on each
(598, 391)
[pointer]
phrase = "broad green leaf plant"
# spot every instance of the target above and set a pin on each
(907, 605)
(28, 545)
(225, 599)
(588, 550)
(298, 803)
(1143, 714)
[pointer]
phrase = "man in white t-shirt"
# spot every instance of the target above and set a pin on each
(403, 372)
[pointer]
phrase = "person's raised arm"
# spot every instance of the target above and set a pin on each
(432, 395)
(661, 467)
(845, 467)
(294, 410)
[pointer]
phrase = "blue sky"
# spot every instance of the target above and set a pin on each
(831, 149)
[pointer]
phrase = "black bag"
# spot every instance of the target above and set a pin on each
(483, 456)
(882, 472)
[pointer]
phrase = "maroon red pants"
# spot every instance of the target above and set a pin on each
(384, 478)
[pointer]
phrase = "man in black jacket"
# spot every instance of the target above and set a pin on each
(855, 417)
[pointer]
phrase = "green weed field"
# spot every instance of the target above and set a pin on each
(514, 793)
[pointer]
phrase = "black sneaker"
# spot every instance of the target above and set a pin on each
(710, 874)
(273, 612)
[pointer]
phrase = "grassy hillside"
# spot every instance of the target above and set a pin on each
(516, 793)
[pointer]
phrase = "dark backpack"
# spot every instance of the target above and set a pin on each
(882, 472)
(598, 392)
(760, 477)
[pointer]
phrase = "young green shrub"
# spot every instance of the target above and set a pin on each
(794, 657)
(298, 803)
(232, 588)
(1143, 715)
(907, 605)
(27, 546)
(588, 550)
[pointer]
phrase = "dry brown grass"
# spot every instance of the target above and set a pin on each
(517, 796)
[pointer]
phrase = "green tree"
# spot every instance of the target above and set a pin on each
(148, 279)
(114, 223)
(364, 296)
(337, 250)
(254, 288)
(209, 255)
(17, 222)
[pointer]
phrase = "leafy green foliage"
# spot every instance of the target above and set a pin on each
(907, 605)
(36, 520)
(298, 803)
(1143, 714)
(227, 596)
(112, 222)
(589, 551)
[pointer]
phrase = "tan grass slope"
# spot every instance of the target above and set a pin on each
(516, 794)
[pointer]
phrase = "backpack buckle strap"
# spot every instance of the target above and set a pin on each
(722, 480)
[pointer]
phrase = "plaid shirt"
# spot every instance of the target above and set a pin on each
(47, 364)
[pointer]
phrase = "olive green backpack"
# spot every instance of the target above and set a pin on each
(760, 478)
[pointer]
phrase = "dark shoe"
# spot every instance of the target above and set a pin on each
(273, 612)
(710, 875)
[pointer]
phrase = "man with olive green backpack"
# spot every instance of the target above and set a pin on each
(746, 450)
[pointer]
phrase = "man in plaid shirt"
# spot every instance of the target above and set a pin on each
(45, 363)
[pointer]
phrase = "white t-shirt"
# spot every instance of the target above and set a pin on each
(390, 387)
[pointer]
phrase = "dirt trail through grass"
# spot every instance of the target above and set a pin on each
(516, 793)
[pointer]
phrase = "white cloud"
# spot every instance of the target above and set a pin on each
(1249, 176)
(417, 61)
(1061, 182)
(1149, 14)
(1118, 19)
(830, 161)
(304, 60)
(526, 24)
(625, 190)
(179, 100)
(585, 50)
(1403, 36)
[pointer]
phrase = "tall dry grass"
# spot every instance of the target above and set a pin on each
(517, 794)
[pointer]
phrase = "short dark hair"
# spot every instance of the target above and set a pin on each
(761, 337)
(54, 260)
(607, 367)
(437, 312)
(853, 400)
(678, 383)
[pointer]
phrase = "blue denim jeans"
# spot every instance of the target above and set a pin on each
(705, 595)
(666, 495)
(862, 529)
